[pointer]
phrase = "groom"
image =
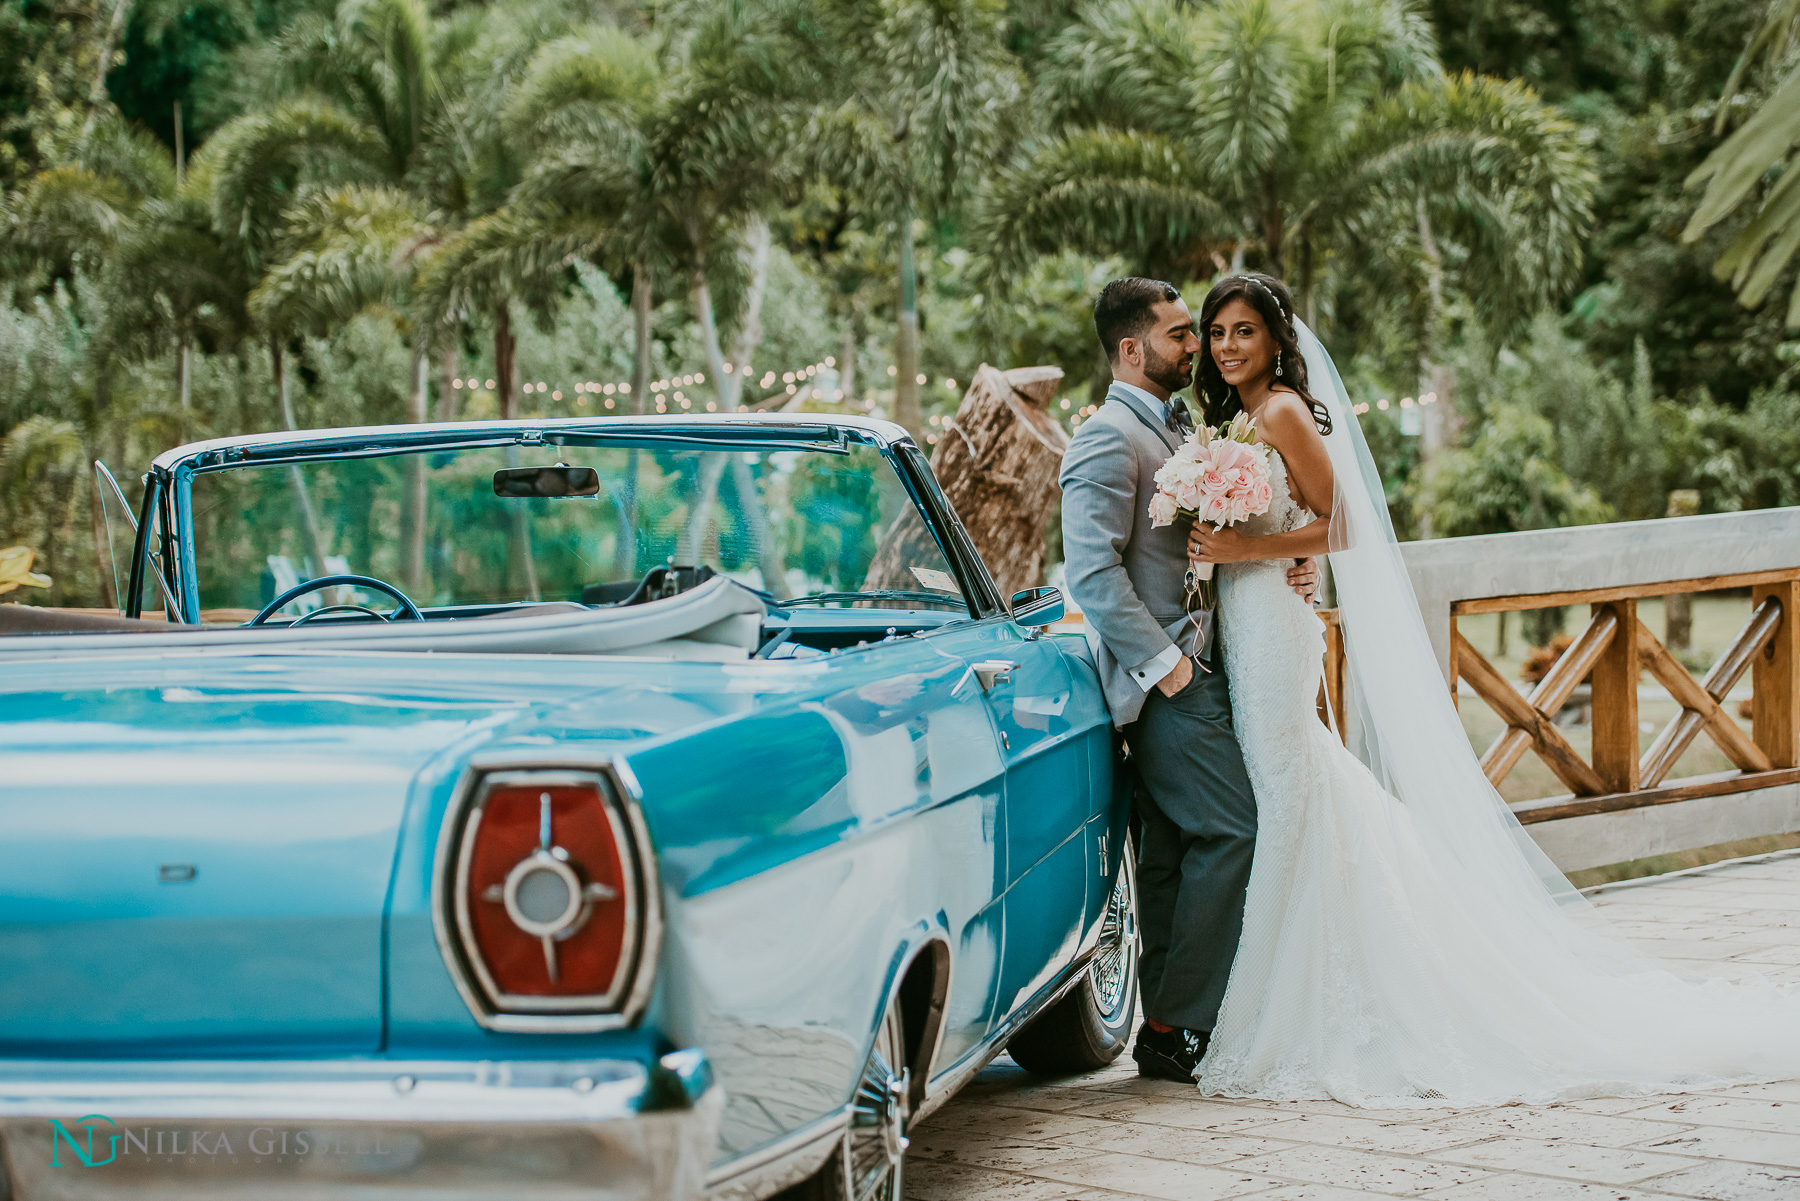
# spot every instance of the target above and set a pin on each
(1162, 673)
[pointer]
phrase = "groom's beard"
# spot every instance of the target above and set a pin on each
(1167, 373)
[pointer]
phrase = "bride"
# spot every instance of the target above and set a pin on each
(1405, 944)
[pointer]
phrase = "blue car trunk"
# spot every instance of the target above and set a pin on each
(199, 865)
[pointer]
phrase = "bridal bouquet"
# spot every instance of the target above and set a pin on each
(1219, 476)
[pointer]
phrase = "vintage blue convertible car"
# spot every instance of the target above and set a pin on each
(638, 807)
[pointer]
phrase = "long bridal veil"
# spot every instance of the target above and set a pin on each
(1633, 1024)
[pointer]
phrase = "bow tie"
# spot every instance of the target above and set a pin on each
(1178, 420)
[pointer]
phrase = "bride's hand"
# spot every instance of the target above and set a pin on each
(1224, 545)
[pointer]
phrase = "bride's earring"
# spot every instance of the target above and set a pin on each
(1278, 364)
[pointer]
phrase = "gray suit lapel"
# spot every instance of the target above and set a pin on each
(1142, 412)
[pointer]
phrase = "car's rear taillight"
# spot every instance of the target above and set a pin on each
(550, 900)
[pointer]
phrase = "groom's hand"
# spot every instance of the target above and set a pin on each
(1303, 578)
(1178, 677)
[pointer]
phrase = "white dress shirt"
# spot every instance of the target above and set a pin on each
(1150, 673)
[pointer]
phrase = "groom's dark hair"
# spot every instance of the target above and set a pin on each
(1124, 310)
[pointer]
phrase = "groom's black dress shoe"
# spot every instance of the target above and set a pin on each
(1171, 1054)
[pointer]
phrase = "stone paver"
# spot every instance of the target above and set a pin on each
(1111, 1136)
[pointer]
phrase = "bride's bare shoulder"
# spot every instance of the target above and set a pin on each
(1284, 417)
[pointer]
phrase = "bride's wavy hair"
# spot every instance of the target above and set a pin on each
(1219, 401)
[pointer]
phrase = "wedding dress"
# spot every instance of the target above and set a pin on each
(1404, 944)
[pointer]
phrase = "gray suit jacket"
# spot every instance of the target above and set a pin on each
(1126, 576)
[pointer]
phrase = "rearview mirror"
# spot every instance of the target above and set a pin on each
(1038, 606)
(546, 481)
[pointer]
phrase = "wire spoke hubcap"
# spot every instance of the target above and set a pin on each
(1118, 939)
(875, 1145)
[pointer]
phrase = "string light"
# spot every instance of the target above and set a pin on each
(1382, 404)
(667, 388)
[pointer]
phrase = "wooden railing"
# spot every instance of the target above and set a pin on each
(1610, 654)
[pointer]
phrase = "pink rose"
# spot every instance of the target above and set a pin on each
(1162, 510)
(1214, 483)
(1188, 495)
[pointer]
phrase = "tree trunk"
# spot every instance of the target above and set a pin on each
(1436, 433)
(728, 385)
(1274, 223)
(109, 44)
(997, 462)
(447, 371)
(505, 367)
(309, 516)
(847, 360)
(416, 515)
(1678, 609)
(750, 334)
(625, 545)
(184, 375)
(640, 347)
(906, 338)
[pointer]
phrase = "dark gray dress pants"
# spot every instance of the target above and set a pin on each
(1199, 817)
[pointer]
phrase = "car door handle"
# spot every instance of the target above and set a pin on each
(995, 671)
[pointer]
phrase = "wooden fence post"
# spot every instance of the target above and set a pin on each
(1775, 678)
(1615, 756)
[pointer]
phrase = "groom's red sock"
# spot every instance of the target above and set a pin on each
(1157, 1026)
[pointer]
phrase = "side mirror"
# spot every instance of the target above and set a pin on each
(546, 481)
(1038, 606)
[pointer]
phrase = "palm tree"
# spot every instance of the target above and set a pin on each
(659, 158)
(1317, 137)
(926, 95)
(1767, 144)
(369, 100)
(176, 281)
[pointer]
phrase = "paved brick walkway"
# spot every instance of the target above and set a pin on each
(1111, 1135)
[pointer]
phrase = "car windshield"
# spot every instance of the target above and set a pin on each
(824, 526)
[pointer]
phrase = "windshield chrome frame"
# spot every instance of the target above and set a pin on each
(171, 475)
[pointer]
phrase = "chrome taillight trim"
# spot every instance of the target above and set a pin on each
(497, 1010)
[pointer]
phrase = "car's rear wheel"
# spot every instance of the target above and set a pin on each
(1091, 1024)
(869, 1162)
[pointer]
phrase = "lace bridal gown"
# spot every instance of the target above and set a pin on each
(1394, 957)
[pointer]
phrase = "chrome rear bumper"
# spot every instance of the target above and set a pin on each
(609, 1130)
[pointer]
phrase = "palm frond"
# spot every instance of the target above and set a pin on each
(1490, 148)
(1099, 192)
(65, 215)
(516, 252)
(1121, 65)
(256, 164)
(1246, 89)
(344, 250)
(173, 277)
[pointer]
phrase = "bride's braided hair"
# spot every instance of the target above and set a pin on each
(1268, 296)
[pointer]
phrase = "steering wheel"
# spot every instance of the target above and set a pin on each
(334, 581)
